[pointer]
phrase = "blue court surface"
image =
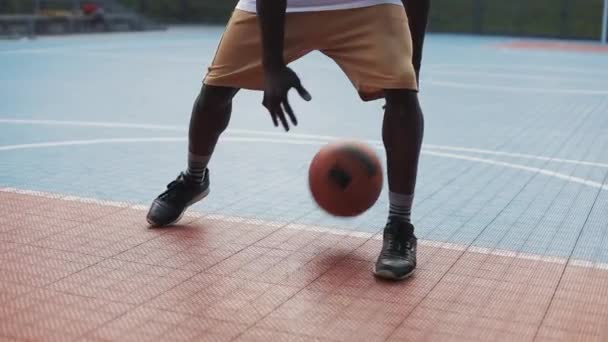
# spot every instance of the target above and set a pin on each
(515, 155)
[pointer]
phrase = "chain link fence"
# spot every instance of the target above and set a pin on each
(572, 19)
(578, 19)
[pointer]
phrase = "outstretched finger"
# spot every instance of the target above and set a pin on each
(290, 112)
(279, 112)
(303, 92)
(270, 111)
(273, 115)
(274, 119)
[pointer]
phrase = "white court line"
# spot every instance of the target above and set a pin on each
(112, 47)
(292, 135)
(101, 47)
(92, 124)
(519, 89)
(457, 85)
(544, 172)
(549, 54)
(512, 76)
(86, 142)
(516, 155)
(433, 70)
(320, 229)
(144, 140)
(527, 68)
(98, 53)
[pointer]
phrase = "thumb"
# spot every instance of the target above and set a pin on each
(303, 92)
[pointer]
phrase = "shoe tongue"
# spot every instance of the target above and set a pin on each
(186, 178)
(397, 226)
(392, 230)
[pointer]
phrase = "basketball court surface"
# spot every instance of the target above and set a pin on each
(511, 207)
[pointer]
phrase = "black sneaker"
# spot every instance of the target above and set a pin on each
(169, 206)
(397, 259)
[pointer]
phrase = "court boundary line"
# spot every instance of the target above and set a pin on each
(527, 90)
(105, 47)
(292, 135)
(99, 52)
(524, 67)
(320, 229)
(545, 172)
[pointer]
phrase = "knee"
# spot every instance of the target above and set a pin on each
(402, 117)
(213, 107)
(214, 101)
(403, 109)
(402, 101)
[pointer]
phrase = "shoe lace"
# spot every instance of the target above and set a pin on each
(397, 244)
(393, 244)
(172, 188)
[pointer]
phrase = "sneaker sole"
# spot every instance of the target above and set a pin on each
(196, 199)
(384, 274)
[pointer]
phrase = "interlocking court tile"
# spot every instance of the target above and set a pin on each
(98, 273)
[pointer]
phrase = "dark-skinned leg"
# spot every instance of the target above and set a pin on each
(210, 117)
(402, 134)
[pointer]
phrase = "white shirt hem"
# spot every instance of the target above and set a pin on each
(251, 7)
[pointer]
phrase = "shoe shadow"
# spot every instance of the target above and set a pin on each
(332, 266)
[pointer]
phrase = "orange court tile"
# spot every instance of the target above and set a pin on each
(76, 271)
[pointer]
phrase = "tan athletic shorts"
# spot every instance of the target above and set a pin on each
(372, 45)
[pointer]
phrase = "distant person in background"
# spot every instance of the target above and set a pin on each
(376, 45)
(94, 12)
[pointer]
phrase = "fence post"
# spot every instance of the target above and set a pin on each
(605, 23)
(478, 16)
(564, 16)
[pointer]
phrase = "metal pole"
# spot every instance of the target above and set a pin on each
(563, 25)
(478, 17)
(605, 23)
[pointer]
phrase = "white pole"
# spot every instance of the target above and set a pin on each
(605, 23)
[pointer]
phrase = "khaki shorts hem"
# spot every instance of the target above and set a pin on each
(238, 85)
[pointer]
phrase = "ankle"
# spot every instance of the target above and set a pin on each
(194, 178)
(401, 223)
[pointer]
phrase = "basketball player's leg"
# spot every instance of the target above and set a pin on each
(380, 67)
(210, 117)
(402, 133)
(237, 65)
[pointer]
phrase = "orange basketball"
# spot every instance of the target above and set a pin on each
(345, 178)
